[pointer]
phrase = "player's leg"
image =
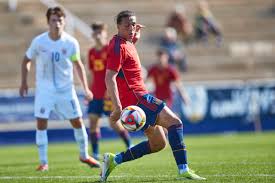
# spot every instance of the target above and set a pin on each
(43, 105)
(94, 134)
(156, 137)
(156, 142)
(41, 139)
(95, 110)
(174, 126)
(123, 133)
(120, 130)
(81, 138)
(68, 106)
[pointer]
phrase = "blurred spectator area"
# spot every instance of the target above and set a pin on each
(246, 53)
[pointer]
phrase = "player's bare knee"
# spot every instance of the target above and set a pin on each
(93, 127)
(42, 124)
(158, 145)
(76, 123)
(162, 144)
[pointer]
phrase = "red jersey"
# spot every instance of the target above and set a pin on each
(123, 58)
(163, 77)
(97, 66)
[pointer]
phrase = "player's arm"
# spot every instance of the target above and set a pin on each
(89, 68)
(83, 79)
(80, 69)
(182, 92)
(111, 84)
(25, 69)
(175, 76)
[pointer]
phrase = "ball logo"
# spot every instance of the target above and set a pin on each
(130, 119)
(196, 110)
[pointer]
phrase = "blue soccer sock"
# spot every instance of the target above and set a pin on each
(125, 137)
(95, 137)
(175, 137)
(134, 152)
(42, 144)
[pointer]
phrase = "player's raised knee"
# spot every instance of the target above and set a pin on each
(158, 145)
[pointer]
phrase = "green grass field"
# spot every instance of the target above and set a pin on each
(220, 158)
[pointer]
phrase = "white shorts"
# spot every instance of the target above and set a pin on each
(64, 104)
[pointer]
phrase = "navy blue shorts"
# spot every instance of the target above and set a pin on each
(152, 106)
(100, 107)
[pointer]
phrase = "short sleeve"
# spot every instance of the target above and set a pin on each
(32, 50)
(115, 55)
(174, 74)
(75, 52)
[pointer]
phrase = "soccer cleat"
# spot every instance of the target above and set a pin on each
(190, 175)
(91, 162)
(108, 166)
(192, 171)
(42, 168)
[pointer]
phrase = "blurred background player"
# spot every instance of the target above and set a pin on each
(174, 48)
(126, 87)
(179, 21)
(101, 103)
(55, 54)
(205, 23)
(164, 76)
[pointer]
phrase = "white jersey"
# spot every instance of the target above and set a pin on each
(54, 67)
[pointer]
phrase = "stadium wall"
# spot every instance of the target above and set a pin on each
(219, 108)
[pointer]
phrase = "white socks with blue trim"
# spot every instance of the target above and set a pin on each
(81, 138)
(42, 144)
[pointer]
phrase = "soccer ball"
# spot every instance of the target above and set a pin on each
(132, 118)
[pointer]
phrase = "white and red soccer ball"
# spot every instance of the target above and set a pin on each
(132, 118)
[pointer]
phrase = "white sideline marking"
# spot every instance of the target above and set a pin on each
(124, 176)
(234, 163)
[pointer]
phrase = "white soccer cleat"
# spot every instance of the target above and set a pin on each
(108, 166)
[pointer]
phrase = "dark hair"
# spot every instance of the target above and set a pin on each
(161, 51)
(123, 14)
(98, 26)
(55, 11)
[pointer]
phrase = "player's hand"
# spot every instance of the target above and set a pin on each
(88, 95)
(23, 90)
(137, 34)
(138, 27)
(115, 115)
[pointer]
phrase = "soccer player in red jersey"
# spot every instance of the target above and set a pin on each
(101, 103)
(164, 76)
(126, 87)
